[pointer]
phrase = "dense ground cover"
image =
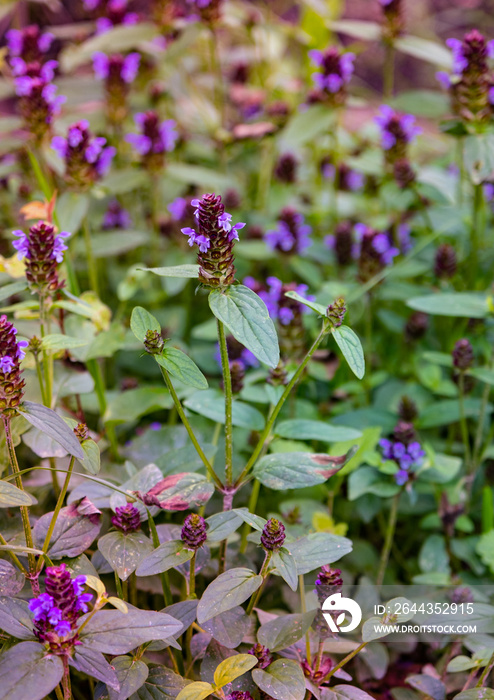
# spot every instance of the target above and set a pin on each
(245, 351)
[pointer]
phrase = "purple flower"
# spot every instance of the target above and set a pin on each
(116, 68)
(384, 247)
(404, 239)
(224, 223)
(291, 235)
(155, 139)
(336, 69)
(177, 208)
(28, 43)
(87, 157)
(116, 216)
(101, 65)
(401, 477)
(7, 364)
(397, 130)
(280, 307)
(24, 246)
(460, 63)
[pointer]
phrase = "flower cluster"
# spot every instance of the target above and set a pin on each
(463, 357)
(404, 450)
(471, 84)
(273, 535)
(291, 235)
(280, 307)
(112, 13)
(29, 44)
(445, 262)
(12, 351)
(345, 179)
(376, 250)
(239, 695)
(57, 611)
(38, 99)
(393, 22)
(286, 168)
(42, 249)
(194, 532)
(126, 519)
(116, 217)
(342, 242)
(154, 140)
(118, 73)
(336, 70)
(87, 157)
(215, 238)
(262, 654)
(397, 132)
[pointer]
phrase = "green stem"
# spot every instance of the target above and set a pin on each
(476, 232)
(67, 691)
(344, 661)
(12, 555)
(192, 578)
(40, 378)
(165, 584)
(94, 370)
(389, 70)
(212, 474)
(390, 531)
(252, 509)
(14, 465)
(227, 383)
(58, 507)
(118, 585)
(272, 419)
(480, 427)
(485, 673)
(90, 259)
(263, 572)
(463, 422)
(303, 608)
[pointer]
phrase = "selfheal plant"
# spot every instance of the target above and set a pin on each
(38, 99)
(291, 235)
(335, 71)
(12, 351)
(118, 73)
(42, 249)
(87, 158)
(156, 138)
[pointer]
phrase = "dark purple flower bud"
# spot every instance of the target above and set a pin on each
(116, 217)
(154, 139)
(335, 313)
(240, 73)
(471, 84)
(403, 173)
(154, 343)
(407, 409)
(278, 376)
(397, 132)
(42, 250)
(118, 73)
(377, 250)
(416, 326)
(237, 371)
(393, 20)
(335, 71)
(317, 676)
(404, 432)
(291, 235)
(239, 695)
(445, 263)
(328, 576)
(11, 353)
(343, 244)
(462, 594)
(194, 532)
(81, 430)
(87, 158)
(463, 356)
(38, 101)
(215, 236)
(286, 168)
(232, 200)
(273, 535)
(262, 654)
(126, 519)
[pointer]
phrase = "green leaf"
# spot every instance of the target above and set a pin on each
(131, 674)
(455, 304)
(479, 156)
(233, 667)
(196, 691)
(285, 630)
(11, 496)
(57, 341)
(433, 555)
(282, 680)
(317, 549)
(94, 664)
(228, 628)
(306, 125)
(428, 685)
(75, 529)
(29, 672)
(302, 429)
(111, 243)
(161, 684)
(92, 456)
(14, 288)
(185, 271)
(131, 404)
(461, 663)
(369, 31)
(211, 403)
(448, 411)
(222, 525)
(247, 318)
(181, 366)
(483, 374)
(141, 322)
(475, 694)
(15, 618)
(51, 424)
(318, 308)
(485, 549)
(114, 632)
(426, 50)
(297, 470)
(124, 552)
(286, 567)
(226, 592)
(351, 347)
(167, 556)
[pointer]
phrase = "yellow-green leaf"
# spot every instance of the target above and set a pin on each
(195, 691)
(232, 668)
